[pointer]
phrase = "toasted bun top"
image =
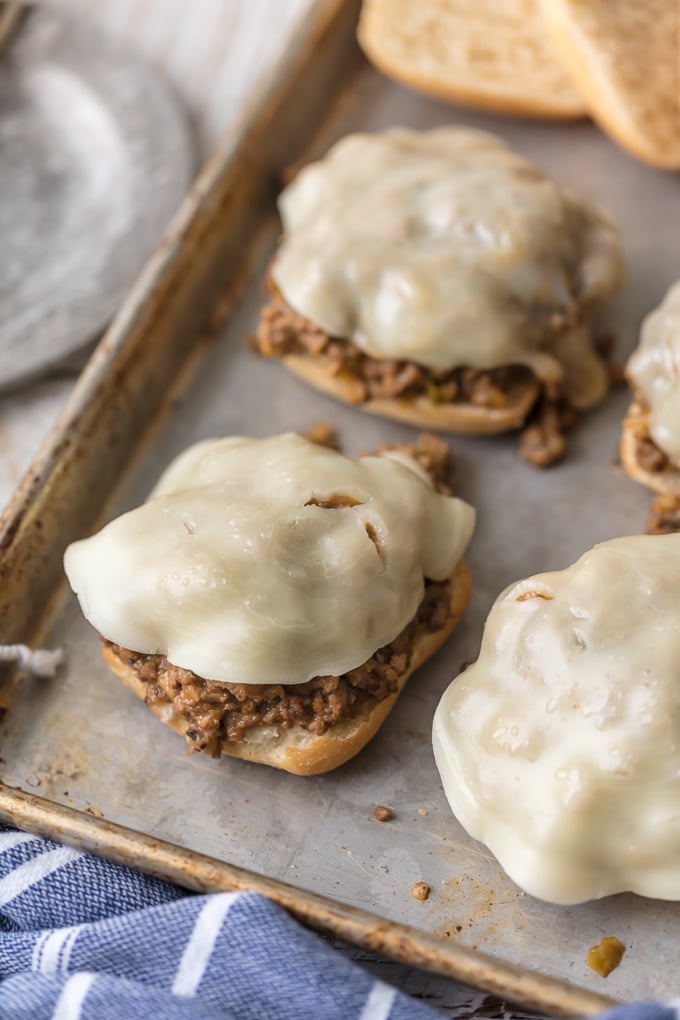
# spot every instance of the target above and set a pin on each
(447, 249)
(574, 702)
(623, 56)
(487, 53)
(271, 557)
(654, 371)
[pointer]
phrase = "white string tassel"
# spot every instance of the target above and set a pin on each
(40, 661)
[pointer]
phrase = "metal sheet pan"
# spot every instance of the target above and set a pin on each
(83, 758)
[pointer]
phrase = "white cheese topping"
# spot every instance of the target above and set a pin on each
(233, 570)
(447, 249)
(654, 370)
(560, 747)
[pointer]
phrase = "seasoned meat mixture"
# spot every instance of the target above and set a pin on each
(283, 331)
(432, 453)
(665, 518)
(217, 711)
(649, 456)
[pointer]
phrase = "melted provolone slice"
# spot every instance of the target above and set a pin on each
(269, 561)
(560, 747)
(447, 249)
(654, 370)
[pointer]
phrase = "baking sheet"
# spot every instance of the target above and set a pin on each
(85, 741)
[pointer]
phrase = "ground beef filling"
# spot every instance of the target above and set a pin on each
(649, 456)
(283, 331)
(217, 711)
(665, 518)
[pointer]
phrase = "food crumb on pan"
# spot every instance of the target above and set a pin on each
(323, 434)
(420, 891)
(422, 811)
(605, 957)
(382, 813)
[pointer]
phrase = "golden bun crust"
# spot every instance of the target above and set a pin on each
(623, 56)
(420, 411)
(484, 53)
(636, 428)
(297, 750)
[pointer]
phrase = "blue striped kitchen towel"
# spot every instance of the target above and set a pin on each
(84, 939)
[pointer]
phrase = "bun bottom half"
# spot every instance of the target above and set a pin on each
(295, 749)
(636, 429)
(420, 411)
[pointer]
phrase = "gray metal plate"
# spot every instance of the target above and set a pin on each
(84, 740)
(95, 156)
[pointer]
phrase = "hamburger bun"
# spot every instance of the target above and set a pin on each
(421, 411)
(483, 53)
(623, 58)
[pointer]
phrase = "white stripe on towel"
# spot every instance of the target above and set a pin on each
(37, 950)
(201, 943)
(379, 1003)
(73, 995)
(8, 840)
(68, 949)
(28, 874)
(48, 950)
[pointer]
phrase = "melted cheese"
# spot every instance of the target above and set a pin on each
(654, 370)
(447, 249)
(234, 571)
(560, 747)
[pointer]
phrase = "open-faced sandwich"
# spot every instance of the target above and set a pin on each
(560, 746)
(441, 279)
(271, 598)
(650, 443)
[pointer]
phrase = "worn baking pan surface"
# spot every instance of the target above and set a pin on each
(84, 741)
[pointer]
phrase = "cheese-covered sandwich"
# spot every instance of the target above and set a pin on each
(442, 279)
(650, 444)
(272, 596)
(560, 747)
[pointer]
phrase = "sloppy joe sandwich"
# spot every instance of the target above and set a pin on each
(650, 443)
(441, 279)
(271, 598)
(560, 746)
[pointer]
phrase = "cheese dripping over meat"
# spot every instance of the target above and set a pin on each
(447, 249)
(654, 371)
(270, 561)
